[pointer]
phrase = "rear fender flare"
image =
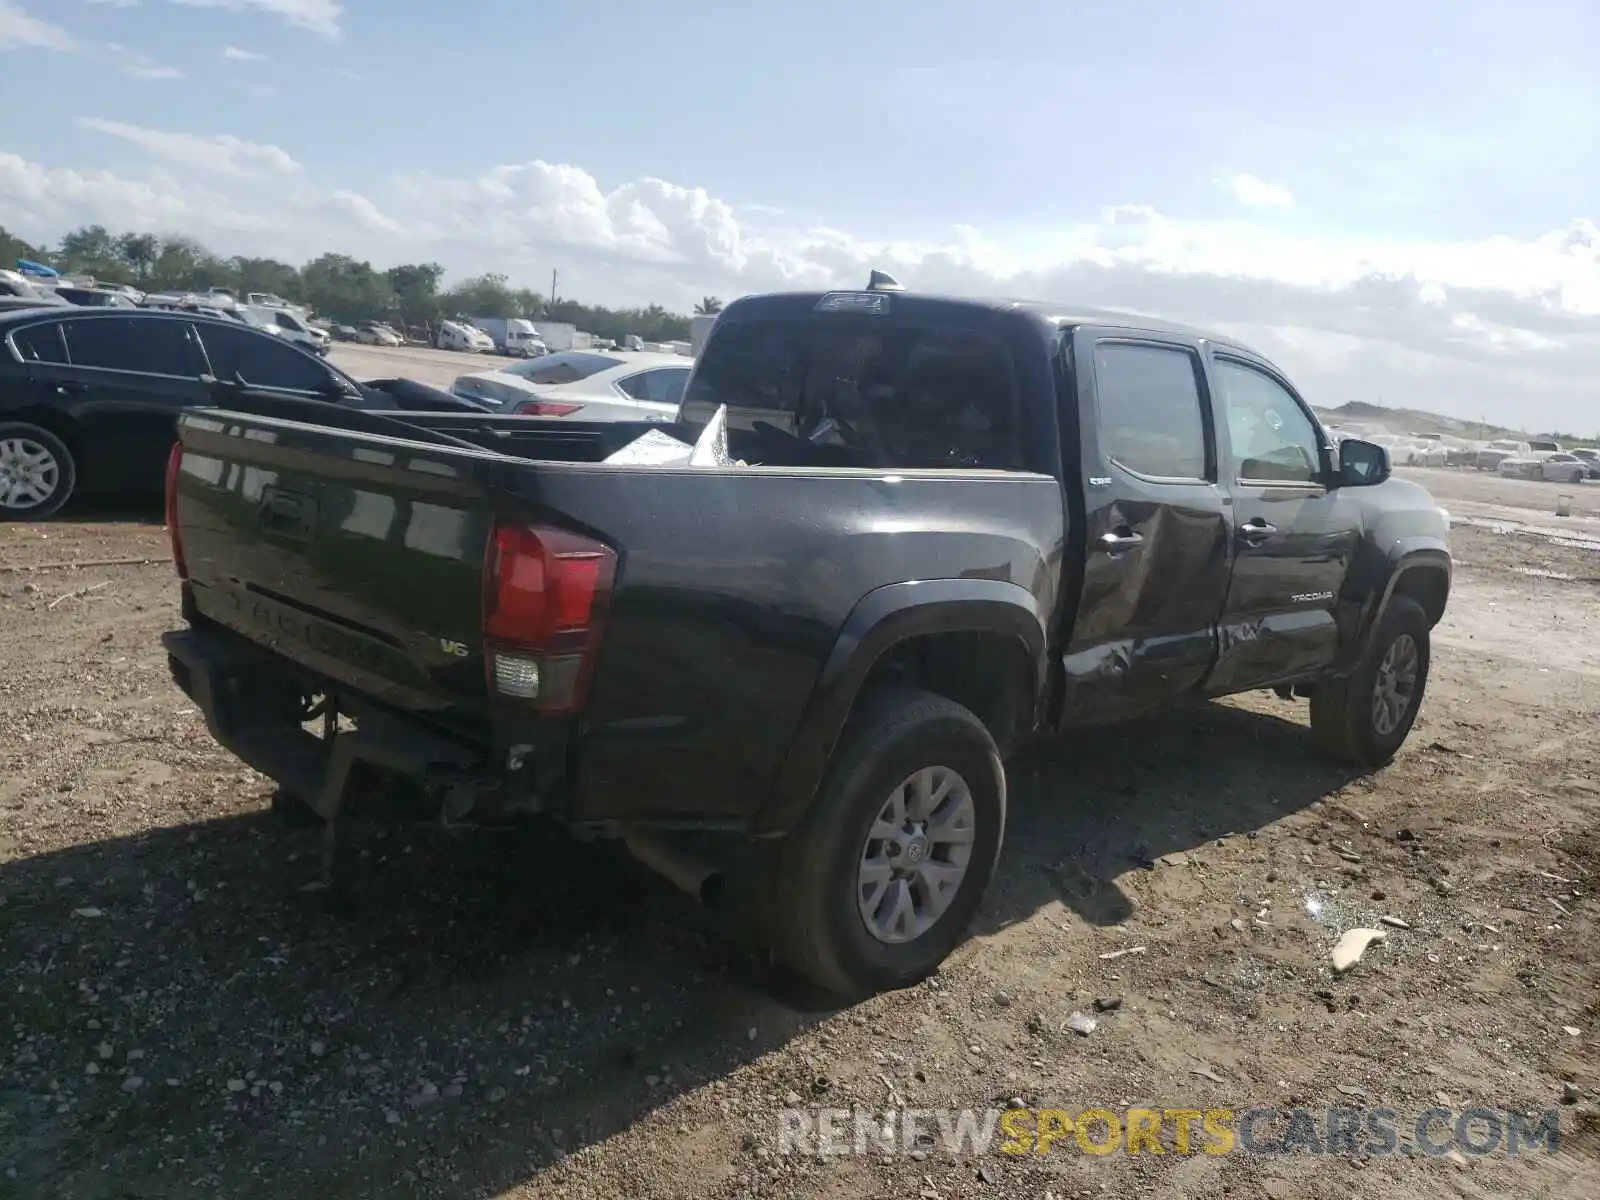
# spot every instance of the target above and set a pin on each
(880, 620)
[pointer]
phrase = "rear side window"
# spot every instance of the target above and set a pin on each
(1151, 421)
(893, 395)
(261, 360)
(657, 387)
(149, 346)
(41, 343)
(562, 368)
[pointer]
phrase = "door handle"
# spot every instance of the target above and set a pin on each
(71, 389)
(1256, 531)
(1120, 540)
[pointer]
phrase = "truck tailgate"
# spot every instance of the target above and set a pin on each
(357, 556)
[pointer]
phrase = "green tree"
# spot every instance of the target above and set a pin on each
(342, 288)
(708, 306)
(138, 252)
(12, 248)
(482, 296)
(416, 291)
(185, 265)
(92, 250)
(264, 275)
(336, 286)
(528, 303)
(90, 244)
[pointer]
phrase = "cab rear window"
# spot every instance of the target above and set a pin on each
(893, 395)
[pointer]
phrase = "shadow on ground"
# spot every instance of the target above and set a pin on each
(498, 999)
(136, 509)
(1088, 808)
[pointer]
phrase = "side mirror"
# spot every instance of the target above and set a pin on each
(1362, 464)
(337, 391)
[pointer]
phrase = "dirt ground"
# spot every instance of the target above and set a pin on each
(516, 1016)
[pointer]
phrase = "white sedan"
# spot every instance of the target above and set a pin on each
(375, 333)
(1541, 464)
(584, 386)
(1564, 468)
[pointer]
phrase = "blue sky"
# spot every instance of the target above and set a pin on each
(1395, 198)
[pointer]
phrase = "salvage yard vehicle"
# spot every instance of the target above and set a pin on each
(790, 683)
(1496, 452)
(1590, 458)
(458, 335)
(1563, 468)
(1525, 466)
(89, 397)
(582, 385)
(377, 333)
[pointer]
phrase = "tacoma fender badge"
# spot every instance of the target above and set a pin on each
(1310, 597)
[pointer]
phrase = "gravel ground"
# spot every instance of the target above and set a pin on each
(516, 1016)
(425, 365)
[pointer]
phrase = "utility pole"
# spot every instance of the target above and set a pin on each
(552, 288)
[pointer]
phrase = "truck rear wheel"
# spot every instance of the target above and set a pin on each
(1365, 717)
(882, 879)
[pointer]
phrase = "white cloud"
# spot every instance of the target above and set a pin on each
(237, 55)
(320, 17)
(117, 3)
(20, 31)
(1254, 192)
(1504, 326)
(152, 71)
(221, 153)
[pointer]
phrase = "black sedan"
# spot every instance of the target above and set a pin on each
(89, 397)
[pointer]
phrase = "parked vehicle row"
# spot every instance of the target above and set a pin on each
(1511, 457)
(89, 397)
(1548, 465)
(791, 684)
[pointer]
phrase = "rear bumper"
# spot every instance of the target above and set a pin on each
(239, 689)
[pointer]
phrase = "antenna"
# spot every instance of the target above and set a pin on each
(882, 281)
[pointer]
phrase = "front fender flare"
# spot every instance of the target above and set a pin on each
(1407, 554)
(884, 617)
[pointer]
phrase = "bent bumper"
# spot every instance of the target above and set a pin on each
(242, 691)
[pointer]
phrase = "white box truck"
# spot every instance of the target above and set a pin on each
(561, 335)
(699, 330)
(514, 336)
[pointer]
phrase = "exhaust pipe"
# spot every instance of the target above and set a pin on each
(675, 859)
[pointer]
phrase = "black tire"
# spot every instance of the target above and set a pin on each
(1342, 717)
(816, 927)
(65, 476)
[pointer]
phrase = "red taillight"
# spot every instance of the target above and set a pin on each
(545, 593)
(546, 408)
(174, 468)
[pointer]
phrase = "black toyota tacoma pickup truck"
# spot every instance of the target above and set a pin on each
(955, 526)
